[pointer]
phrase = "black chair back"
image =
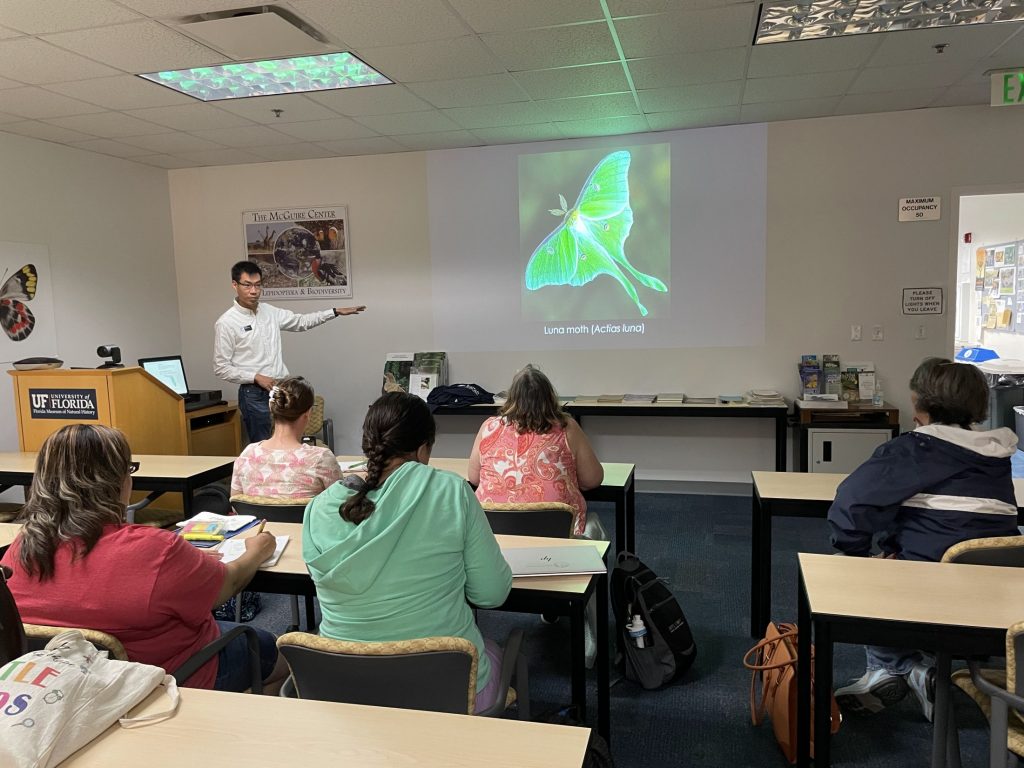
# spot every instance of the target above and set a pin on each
(554, 523)
(12, 634)
(273, 513)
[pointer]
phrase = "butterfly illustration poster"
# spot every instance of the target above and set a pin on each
(595, 234)
(303, 252)
(26, 302)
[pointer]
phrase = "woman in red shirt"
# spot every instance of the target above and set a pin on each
(77, 563)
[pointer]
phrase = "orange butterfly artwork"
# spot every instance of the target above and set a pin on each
(16, 319)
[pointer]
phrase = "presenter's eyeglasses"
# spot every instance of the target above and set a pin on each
(251, 286)
(133, 467)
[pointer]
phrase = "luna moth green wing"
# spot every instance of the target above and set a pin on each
(589, 241)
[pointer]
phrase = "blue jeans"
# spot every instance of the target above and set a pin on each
(233, 672)
(254, 405)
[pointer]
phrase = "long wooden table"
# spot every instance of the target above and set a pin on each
(157, 474)
(792, 494)
(947, 608)
(560, 595)
(618, 487)
(777, 413)
(231, 729)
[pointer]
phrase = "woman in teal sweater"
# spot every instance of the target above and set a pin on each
(404, 555)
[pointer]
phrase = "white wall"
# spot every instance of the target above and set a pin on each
(107, 225)
(836, 256)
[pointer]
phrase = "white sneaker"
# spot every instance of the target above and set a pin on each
(922, 682)
(872, 692)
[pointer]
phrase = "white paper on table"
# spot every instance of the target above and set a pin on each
(232, 549)
(231, 522)
(352, 466)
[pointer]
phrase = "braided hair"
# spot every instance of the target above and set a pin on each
(397, 424)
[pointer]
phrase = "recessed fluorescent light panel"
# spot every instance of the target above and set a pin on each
(832, 18)
(301, 74)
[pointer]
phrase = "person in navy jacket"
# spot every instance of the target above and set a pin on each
(918, 495)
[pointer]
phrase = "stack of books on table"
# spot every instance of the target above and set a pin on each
(702, 400)
(823, 402)
(579, 399)
(671, 397)
(610, 398)
(638, 398)
(765, 397)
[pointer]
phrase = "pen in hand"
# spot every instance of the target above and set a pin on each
(263, 523)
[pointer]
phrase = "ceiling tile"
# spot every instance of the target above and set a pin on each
(496, 115)
(35, 62)
(470, 91)
(1011, 54)
(44, 131)
(143, 46)
(6, 33)
(906, 77)
(566, 82)
(174, 8)
(409, 123)
(294, 108)
(372, 23)
(189, 117)
(165, 143)
(859, 103)
(5, 118)
(806, 56)
(440, 140)
(36, 17)
(439, 60)
(9, 84)
(221, 157)
(503, 16)
(691, 97)
(686, 31)
(799, 109)
(917, 46)
(693, 118)
(108, 125)
(514, 134)
(796, 87)
(964, 95)
(292, 152)
(688, 68)
(121, 92)
(553, 46)
(108, 147)
(246, 136)
(372, 146)
(589, 107)
(639, 7)
(165, 161)
(39, 103)
(605, 126)
(325, 130)
(370, 100)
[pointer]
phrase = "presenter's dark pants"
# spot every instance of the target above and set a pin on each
(254, 404)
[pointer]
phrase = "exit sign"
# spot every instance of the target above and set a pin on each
(1007, 88)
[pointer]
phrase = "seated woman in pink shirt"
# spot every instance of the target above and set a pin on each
(282, 465)
(77, 563)
(534, 451)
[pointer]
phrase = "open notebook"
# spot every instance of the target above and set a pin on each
(554, 561)
(232, 549)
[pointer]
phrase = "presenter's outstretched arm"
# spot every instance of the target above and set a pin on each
(339, 311)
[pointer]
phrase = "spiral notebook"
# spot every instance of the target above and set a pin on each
(554, 561)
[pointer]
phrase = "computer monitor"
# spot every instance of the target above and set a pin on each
(169, 370)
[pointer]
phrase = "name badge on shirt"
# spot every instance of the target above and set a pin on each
(247, 328)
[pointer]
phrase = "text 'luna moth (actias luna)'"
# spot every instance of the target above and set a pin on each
(589, 241)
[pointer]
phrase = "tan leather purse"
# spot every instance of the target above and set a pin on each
(773, 663)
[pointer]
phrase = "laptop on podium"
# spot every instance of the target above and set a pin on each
(170, 371)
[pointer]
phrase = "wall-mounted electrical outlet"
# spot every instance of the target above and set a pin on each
(877, 334)
(855, 333)
(919, 332)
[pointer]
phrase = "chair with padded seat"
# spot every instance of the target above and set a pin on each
(978, 683)
(320, 428)
(275, 510)
(436, 674)
(541, 518)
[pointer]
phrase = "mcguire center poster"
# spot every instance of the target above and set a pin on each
(303, 252)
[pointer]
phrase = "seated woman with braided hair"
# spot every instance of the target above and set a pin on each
(402, 556)
(283, 466)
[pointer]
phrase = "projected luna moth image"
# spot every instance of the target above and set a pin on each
(590, 240)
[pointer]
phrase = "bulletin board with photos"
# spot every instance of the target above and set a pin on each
(999, 285)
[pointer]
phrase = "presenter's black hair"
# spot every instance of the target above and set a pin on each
(950, 393)
(396, 425)
(248, 267)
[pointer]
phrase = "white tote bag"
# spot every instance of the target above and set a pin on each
(55, 701)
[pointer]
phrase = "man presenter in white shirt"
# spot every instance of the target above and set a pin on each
(247, 345)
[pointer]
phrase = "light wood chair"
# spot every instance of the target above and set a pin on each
(436, 674)
(319, 427)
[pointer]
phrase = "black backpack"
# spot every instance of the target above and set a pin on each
(598, 755)
(670, 649)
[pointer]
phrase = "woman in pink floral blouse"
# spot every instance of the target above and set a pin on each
(282, 465)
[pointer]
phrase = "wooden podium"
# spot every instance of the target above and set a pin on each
(150, 414)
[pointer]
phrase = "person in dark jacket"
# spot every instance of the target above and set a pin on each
(920, 494)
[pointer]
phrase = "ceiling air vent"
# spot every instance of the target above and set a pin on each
(260, 32)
